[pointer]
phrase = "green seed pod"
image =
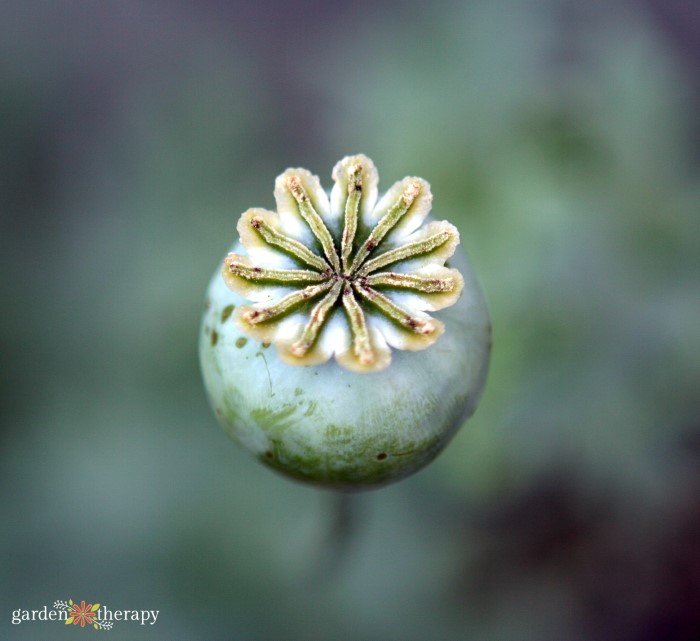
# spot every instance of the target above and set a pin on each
(305, 378)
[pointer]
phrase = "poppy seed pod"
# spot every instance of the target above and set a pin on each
(317, 349)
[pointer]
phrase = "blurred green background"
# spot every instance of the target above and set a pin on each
(564, 140)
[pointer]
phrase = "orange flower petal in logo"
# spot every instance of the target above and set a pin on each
(82, 614)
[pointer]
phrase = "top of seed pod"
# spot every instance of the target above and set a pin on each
(348, 276)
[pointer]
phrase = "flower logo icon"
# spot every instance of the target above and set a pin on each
(82, 614)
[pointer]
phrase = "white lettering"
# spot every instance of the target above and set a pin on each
(103, 614)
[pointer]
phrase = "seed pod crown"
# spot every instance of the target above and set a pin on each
(349, 276)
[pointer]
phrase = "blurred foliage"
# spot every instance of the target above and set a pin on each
(560, 149)
(558, 136)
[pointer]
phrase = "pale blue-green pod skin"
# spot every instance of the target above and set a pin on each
(332, 427)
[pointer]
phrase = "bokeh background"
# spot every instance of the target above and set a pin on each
(562, 137)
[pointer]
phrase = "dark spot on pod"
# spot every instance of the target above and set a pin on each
(214, 337)
(381, 456)
(240, 342)
(266, 345)
(371, 245)
(269, 455)
(226, 312)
